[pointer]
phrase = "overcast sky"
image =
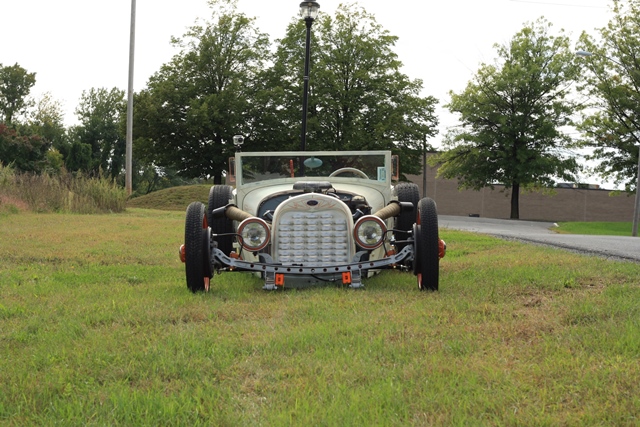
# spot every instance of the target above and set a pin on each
(76, 45)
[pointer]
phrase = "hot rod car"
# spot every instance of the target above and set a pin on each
(305, 218)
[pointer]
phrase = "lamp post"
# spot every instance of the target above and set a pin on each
(308, 12)
(636, 209)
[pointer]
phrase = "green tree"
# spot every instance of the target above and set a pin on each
(47, 120)
(612, 82)
(194, 105)
(512, 117)
(101, 113)
(15, 85)
(27, 153)
(359, 99)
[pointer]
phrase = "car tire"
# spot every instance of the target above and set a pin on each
(406, 192)
(427, 245)
(197, 248)
(219, 196)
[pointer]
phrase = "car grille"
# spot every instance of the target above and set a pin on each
(315, 233)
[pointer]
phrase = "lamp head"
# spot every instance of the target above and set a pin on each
(309, 10)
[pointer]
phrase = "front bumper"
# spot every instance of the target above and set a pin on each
(278, 276)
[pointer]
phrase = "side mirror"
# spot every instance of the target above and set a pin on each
(395, 168)
(231, 176)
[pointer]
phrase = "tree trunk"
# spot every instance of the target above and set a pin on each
(515, 201)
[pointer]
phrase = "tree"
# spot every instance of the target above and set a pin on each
(15, 85)
(195, 104)
(512, 114)
(28, 153)
(359, 99)
(101, 113)
(46, 120)
(612, 81)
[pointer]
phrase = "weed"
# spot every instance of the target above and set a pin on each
(62, 192)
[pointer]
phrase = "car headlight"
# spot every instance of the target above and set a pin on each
(254, 234)
(369, 232)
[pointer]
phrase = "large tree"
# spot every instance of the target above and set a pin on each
(512, 117)
(15, 85)
(101, 113)
(46, 119)
(359, 99)
(194, 105)
(612, 81)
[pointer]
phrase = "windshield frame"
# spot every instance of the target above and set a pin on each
(381, 174)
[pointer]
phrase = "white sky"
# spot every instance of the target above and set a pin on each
(76, 45)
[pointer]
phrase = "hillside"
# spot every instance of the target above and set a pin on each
(172, 199)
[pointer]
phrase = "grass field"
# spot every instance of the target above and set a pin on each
(595, 228)
(97, 327)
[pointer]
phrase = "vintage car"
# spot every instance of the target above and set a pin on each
(306, 218)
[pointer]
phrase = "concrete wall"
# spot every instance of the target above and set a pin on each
(565, 204)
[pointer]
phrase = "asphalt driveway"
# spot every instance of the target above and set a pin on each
(616, 247)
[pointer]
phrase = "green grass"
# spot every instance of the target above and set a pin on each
(172, 199)
(97, 327)
(595, 228)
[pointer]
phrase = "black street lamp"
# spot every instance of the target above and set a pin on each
(308, 12)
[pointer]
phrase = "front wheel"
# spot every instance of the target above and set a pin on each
(427, 246)
(197, 235)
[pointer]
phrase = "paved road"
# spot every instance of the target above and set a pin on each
(617, 247)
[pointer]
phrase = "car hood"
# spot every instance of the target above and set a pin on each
(377, 195)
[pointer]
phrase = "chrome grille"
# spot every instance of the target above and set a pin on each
(317, 237)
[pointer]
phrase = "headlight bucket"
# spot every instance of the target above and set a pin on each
(369, 232)
(254, 234)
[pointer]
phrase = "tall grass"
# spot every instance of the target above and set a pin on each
(63, 192)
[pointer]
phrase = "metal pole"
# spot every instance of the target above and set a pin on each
(129, 142)
(305, 94)
(636, 210)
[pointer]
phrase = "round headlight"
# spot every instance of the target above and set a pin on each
(369, 232)
(254, 234)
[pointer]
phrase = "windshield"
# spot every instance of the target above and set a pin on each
(256, 167)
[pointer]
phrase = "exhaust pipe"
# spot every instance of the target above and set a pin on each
(393, 209)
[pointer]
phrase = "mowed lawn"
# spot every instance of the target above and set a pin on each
(97, 327)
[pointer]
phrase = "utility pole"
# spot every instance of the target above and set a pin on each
(129, 148)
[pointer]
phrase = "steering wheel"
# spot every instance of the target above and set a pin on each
(352, 170)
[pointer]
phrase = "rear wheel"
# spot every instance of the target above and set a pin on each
(406, 192)
(197, 248)
(427, 246)
(219, 196)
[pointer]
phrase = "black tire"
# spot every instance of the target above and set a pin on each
(219, 196)
(197, 248)
(427, 244)
(406, 192)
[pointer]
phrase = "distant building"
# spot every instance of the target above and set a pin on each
(566, 202)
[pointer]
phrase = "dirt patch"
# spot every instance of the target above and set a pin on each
(12, 204)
